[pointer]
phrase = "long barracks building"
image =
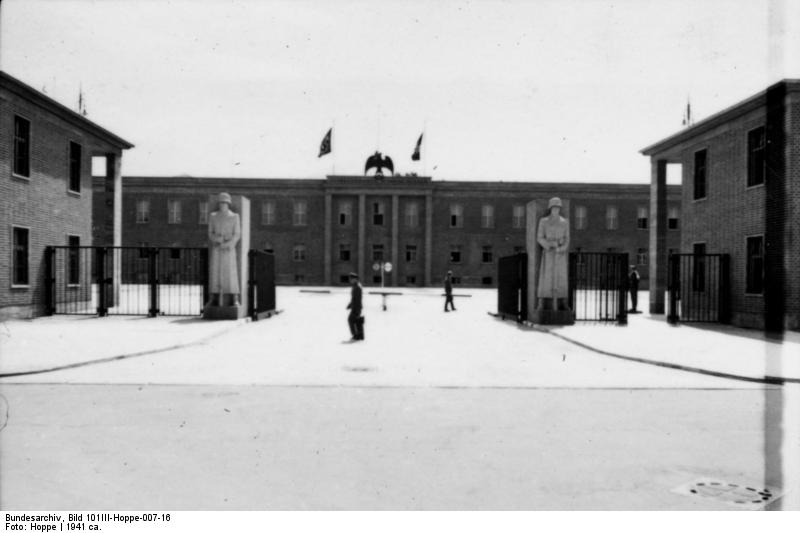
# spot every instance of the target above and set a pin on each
(322, 229)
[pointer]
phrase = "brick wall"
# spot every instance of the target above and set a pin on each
(42, 202)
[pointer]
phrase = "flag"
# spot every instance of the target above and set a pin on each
(325, 145)
(687, 118)
(415, 155)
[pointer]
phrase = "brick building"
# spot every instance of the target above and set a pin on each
(46, 191)
(741, 196)
(322, 229)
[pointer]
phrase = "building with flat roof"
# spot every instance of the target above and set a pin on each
(741, 197)
(322, 229)
(46, 189)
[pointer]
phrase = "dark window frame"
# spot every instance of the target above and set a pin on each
(754, 265)
(73, 260)
(75, 160)
(18, 258)
(700, 175)
(22, 147)
(756, 156)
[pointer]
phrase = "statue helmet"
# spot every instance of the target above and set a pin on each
(225, 197)
(554, 202)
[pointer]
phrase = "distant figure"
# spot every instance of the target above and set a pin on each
(633, 288)
(553, 236)
(448, 291)
(354, 319)
(224, 230)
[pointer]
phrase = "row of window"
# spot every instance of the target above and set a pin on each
(756, 163)
(410, 216)
(22, 154)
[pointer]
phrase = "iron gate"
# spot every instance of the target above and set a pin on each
(699, 288)
(261, 284)
(598, 286)
(108, 280)
(512, 286)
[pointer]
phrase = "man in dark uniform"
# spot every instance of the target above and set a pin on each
(633, 288)
(354, 319)
(448, 291)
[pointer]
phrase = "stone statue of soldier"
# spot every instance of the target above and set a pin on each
(224, 231)
(553, 236)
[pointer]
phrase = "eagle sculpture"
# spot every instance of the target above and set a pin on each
(379, 161)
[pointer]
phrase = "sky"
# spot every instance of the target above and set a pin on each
(537, 90)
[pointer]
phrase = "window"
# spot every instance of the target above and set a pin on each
(267, 213)
(74, 167)
(755, 265)
(344, 252)
(175, 253)
(611, 217)
(202, 212)
(641, 256)
(22, 147)
(411, 280)
(580, 217)
(672, 218)
(377, 213)
(19, 257)
(412, 215)
(300, 213)
(299, 278)
(487, 280)
(344, 278)
(455, 253)
(486, 254)
(700, 162)
(456, 216)
(377, 252)
(269, 247)
(73, 260)
(345, 213)
(699, 267)
(173, 211)
(641, 217)
(411, 253)
(487, 216)
(299, 252)
(518, 216)
(756, 157)
(519, 249)
(142, 211)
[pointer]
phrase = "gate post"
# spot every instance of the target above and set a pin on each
(622, 290)
(251, 285)
(102, 281)
(673, 286)
(724, 289)
(49, 281)
(152, 281)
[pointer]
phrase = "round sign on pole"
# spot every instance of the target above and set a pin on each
(376, 266)
(387, 267)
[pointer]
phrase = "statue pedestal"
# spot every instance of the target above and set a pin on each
(223, 312)
(552, 317)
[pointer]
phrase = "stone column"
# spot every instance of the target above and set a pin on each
(362, 229)
(428, 237)
(328, 237)
(395, 226)
(114, 175)
(658, 235)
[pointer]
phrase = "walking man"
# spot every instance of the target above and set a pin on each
(448, 291)
(633, 288)
(354, 319)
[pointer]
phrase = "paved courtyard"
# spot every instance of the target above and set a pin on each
(433, 410)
